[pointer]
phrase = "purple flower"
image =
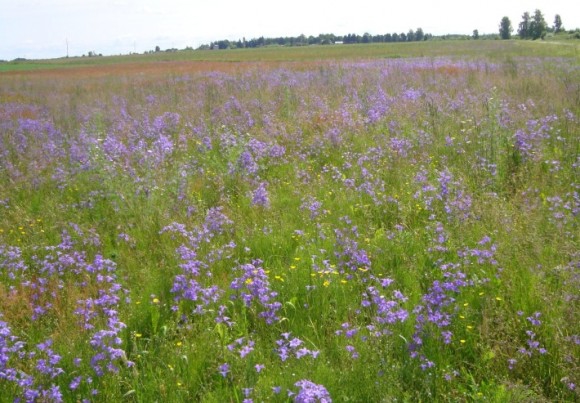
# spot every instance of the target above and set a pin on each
(253, 288)
(224, 369)
(260, 196)
(311, 393)
(53, 394)
(75, 383)
(534, 319)
(352, 351)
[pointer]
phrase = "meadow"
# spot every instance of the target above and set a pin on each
(372, 224)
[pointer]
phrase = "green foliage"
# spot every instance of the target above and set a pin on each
(538, 26)
(558, 24)
(524, 27)
(505, 28)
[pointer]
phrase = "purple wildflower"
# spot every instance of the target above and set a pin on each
(224, 369)
(311, 393)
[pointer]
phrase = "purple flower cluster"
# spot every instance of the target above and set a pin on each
(242, 346)
(260, 196)
(97, 309)
(253, 288)
(193, 283)
(453, 199)
(386, 311)
(44, 370)
(292, 346)
(532, 344)
(311, 392)
(351, 257)
(103, 307)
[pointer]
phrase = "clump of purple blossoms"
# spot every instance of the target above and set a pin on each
(93, 310)
(11, 348)
(260, 196)
(313, 206)
(242, 346)
(253, 287)
(387, 311)
(189, 285)
(311, 392)
(293, 346)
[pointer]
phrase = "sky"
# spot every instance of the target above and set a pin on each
(42, 29)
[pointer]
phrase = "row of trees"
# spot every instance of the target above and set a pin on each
(530, 27)
(322, 39)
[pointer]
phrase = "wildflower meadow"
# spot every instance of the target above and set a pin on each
(358, 229)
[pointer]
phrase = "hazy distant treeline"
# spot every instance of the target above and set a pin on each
(322, 39)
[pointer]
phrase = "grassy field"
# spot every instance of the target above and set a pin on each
(348, 223)
(495, 50)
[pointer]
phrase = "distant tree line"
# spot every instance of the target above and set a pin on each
(322, 39)
(533, 27)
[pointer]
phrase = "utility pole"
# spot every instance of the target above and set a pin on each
(67, 48)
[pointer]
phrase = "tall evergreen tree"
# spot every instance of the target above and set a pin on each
(505, 28)
(524, 27)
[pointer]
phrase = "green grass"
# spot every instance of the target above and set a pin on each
(496, 50)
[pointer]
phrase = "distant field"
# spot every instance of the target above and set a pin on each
(368, 223)
(495, 50)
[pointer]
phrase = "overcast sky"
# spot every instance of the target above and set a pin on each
(42, 28)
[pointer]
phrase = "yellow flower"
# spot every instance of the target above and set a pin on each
(326, 283)
(155, 300)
